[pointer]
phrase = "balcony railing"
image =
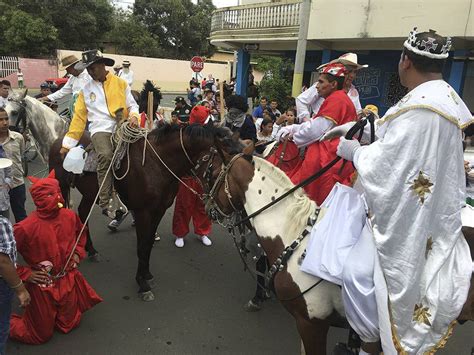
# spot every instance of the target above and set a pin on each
(258, 16)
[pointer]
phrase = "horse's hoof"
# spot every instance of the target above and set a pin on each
(251, 306)
(95, 258)
(151, 282)
(147, 296)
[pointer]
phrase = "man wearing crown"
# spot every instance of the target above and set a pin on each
(50, 242)
(337, 109)
(406, 279)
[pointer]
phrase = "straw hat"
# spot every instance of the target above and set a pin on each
(68, 61)
(347, 59)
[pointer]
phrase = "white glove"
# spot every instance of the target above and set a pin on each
(347, 148)
(284, 132)
(337, 131)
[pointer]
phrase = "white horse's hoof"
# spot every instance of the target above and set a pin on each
(147, 296)
(151, 283)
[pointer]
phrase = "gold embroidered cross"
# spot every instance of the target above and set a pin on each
(421, 186)
(429, 246)
(421, 314)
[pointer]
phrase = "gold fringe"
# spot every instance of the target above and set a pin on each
(414, 107)
(441, 344)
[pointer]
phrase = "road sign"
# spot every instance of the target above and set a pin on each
(197, 64)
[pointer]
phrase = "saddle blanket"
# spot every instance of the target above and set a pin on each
(334, 235)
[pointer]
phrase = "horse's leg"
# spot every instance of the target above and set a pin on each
(255, 304)
(313, 334)
(146, 220)
(83, 210)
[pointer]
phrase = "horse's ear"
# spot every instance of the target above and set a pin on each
(249, 148)
(25, 92)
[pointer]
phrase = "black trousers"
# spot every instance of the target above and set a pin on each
(17, 202)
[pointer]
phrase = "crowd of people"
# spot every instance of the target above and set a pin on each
(415, 209)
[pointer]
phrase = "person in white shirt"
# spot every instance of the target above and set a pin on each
(309, 102)
(19, 75)
(125, 73)
(78, 78)
(5, 88)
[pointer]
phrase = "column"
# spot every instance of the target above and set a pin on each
(458, 71)
(305, 9)
(243, 62)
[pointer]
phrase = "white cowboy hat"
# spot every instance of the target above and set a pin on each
(5, 163)
(347, 59)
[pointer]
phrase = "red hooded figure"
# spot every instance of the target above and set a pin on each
(187, 204)
(46, 239)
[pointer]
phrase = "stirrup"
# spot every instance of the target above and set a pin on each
(116, 206)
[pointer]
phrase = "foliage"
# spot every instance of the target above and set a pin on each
(181, 26)
(276, 81)
(36, 28)
(24, 35)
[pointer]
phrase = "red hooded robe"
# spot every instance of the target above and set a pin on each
(45, 239)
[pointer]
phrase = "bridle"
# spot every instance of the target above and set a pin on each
(21, 123)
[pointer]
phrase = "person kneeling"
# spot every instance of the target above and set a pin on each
(59, 293)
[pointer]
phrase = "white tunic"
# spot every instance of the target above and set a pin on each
(413, 181)
(127, 76)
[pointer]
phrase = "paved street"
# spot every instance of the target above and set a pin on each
(198, 308)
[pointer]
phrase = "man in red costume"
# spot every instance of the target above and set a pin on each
(187, 204)
(46, 239)
(336, 110)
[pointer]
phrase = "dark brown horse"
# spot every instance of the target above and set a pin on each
(149, 189)
(316, 304)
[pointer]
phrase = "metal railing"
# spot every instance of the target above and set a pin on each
(8, 65)
(270, 15)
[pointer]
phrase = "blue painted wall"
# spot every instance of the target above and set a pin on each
(379, 84)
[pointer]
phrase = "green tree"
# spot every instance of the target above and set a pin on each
(78, 24)
(276, 81)
(24, 35)
(182, 27)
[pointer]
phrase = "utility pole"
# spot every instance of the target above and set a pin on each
(305, 9)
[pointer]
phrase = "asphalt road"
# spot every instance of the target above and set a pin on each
(198, 307)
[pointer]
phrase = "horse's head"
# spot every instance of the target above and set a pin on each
(225, 175)
(16, 109)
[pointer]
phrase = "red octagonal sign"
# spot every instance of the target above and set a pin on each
(197, 64)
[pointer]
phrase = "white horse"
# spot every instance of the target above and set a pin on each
(45, 125)
(251, 187)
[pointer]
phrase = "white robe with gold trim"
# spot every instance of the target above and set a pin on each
(413, 180)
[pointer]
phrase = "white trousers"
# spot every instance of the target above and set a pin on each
(358, 288)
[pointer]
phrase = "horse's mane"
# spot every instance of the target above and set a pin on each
(301, 207)
(197, 133)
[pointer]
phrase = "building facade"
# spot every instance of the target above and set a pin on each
(374, 29)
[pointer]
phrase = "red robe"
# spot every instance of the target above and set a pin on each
(61, 304)
(187, 206)
(338, 108)
(291, 160)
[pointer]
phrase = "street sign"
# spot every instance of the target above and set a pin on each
(197, 64)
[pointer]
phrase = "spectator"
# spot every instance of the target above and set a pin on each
(5, 88)
(258, 111)
(274, 112)
(211, 84)
(203, 83)
(209, 97)
(9, 281)
(14, 145)
(182, 108)
(5, 180)
(193, 93)
(44, 93)
(19, 75)
(265, 132)
(237, 118)
(125, 73)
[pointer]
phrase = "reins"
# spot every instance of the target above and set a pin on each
(358, 127)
